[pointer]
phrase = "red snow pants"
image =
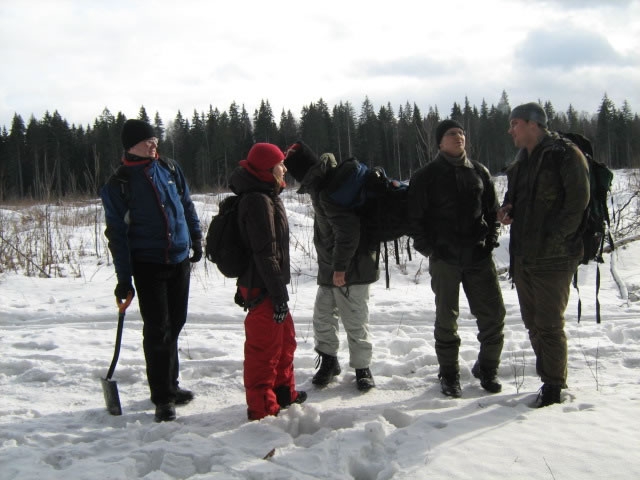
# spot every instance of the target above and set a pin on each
(268, 360)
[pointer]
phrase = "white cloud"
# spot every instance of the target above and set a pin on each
(78, 57)
(569, 48)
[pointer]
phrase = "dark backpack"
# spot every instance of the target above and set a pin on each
(595, 227)
(224, 245)
(380, 202)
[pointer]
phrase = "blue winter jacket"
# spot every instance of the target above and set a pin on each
(149, 215)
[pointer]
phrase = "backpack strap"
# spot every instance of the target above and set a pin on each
(120, 181)
(172, 166)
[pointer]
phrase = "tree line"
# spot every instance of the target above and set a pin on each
(47, 159)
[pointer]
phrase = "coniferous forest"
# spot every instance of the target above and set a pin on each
(48, 159)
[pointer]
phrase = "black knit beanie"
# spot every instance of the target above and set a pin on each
(135, 131)
(299, 159)
(531, 112)
(442, 128)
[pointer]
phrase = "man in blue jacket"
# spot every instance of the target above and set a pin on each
(151, 226)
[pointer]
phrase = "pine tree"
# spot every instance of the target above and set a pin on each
(142, 115)
(344, 131)
(264, 125)
(16, 147)
(288, 131)
(368, 135)
(605, 137)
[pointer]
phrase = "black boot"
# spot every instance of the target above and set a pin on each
(450, 385)
(165, 412)
(283, 396)
(364, 380)
(183, 396)
(488, 378)
(548, 395)
(329, 368)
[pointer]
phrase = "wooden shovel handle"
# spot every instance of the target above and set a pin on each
(122, 306)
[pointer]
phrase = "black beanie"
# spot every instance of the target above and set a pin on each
(299, 159)
(442, 128)
(531, 112)
(135, 131)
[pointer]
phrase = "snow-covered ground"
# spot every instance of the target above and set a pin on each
(57, 337)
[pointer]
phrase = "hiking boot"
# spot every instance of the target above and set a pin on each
(364, 380)
(165, 412)
(488, 379)
(548, 395)
(301, 398)
(329, 368)
(450, 385)
(183, 396)
(283, 396)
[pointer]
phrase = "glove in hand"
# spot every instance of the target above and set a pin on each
(122, 290)
(197, 252)
(490, 243)
(280, 312)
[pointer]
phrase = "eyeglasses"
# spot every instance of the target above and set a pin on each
(454, 133)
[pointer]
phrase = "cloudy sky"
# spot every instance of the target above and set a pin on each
(81, 56)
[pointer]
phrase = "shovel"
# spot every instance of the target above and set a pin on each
(110, 387)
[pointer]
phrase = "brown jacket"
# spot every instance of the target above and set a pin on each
(265, 229)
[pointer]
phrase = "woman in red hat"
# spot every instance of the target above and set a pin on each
(270, 334)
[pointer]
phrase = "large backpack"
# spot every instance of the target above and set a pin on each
(381, 203)
(224, 245)
(595, 227)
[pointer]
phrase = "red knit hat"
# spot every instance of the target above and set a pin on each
(261, 159)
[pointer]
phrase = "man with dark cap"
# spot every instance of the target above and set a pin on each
(547, 193)
(346, 268)
(151, 227)
(453, 207)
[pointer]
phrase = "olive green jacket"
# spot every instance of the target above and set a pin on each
(549, 192)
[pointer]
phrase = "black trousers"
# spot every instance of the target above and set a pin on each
(163, 296)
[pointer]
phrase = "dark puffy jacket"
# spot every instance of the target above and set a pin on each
(549, 194)
(149, 214)
(453, 210)
(336, 232)
(265, 229)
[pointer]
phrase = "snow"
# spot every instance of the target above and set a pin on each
(58, 337)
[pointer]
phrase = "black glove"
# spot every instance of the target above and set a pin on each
(280, 312)
(490, 243)
(122, 290)
(197, 252)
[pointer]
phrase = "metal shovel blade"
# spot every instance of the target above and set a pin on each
(111, 397)
(109, 386)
